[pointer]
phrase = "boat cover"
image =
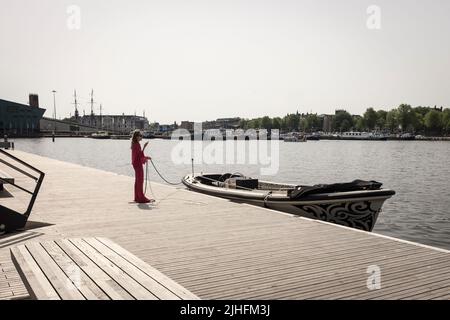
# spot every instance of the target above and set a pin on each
(357, 185)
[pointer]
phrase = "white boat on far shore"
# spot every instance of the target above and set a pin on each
(101, 135)
(352, 135)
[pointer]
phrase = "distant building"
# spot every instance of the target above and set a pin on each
(154, 127)
(187, 125)
(229, 123)
(18, 119)
(165, 128)
(224, 123)
(327, 122)
(49, 125)
(115, 123)
(209, 125)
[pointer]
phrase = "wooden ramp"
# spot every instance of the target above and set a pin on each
(218, 249)
(91, 269)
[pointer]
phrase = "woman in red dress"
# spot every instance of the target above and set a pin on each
(138, 159)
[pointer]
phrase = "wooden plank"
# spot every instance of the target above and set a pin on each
(58, 279)
(156, 288)
(306, 255)
(180, 291)
(279, 287)
(420, 283)
(402, 279)
(82, 282)
(390, 285)
(429, 295)
(444, 297)
(279, 266)
(265, 249)
(34, 279)
(118, 275)
(101, 278)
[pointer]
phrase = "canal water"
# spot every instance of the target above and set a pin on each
(418, 171)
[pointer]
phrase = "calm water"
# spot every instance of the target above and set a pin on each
(418, 171)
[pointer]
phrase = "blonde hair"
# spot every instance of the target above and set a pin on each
(134, 139)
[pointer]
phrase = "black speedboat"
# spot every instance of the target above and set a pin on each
(356, 204)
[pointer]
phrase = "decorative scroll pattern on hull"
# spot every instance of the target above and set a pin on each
(360, 215)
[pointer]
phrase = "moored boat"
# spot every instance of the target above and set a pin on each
(406, 137)
(356, 204)
(313, 137)
(101, 135)
(362, 136)
(294, 137)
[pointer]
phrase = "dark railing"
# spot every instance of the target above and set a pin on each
(11, 220)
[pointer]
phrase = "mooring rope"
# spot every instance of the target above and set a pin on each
(161, 176)
(148, 182)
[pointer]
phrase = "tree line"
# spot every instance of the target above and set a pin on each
(418, 120)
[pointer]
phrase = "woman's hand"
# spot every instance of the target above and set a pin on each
(148, 158)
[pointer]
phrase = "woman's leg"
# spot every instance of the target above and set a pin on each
(138, 184)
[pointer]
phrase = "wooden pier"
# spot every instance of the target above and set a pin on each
(218, 249)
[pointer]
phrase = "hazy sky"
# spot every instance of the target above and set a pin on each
(201, 60)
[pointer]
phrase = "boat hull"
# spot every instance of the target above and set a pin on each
(359, 210)
(364, 139)
(357, 214)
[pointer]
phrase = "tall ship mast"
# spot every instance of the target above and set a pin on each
(92, 102)
(77, 114)
(92, 109)
(101, 116)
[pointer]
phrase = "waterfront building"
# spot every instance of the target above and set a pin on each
(20, 120)
(187, 125)
(68, 127)
(165, 128)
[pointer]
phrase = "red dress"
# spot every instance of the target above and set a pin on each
(138, 159)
